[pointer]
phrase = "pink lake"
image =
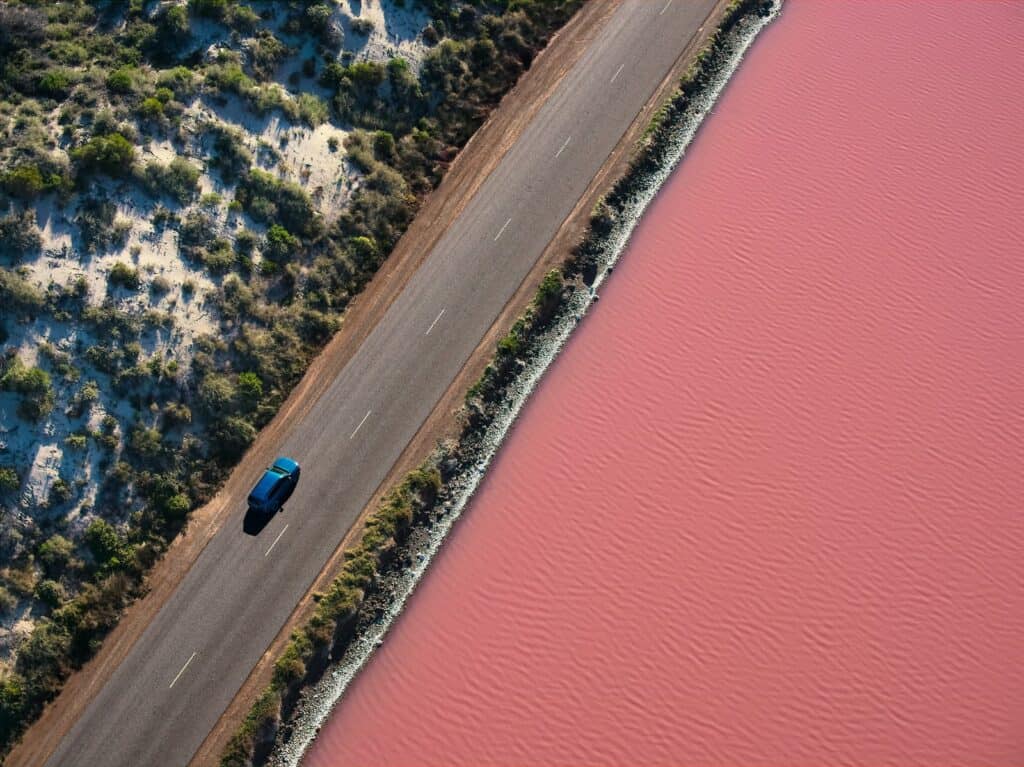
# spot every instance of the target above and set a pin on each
(768, 505)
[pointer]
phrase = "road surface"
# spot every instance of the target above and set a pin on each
(177, 680)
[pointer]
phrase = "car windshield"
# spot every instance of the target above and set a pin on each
(278, 470)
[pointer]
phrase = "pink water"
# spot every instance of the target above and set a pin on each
(768, 505)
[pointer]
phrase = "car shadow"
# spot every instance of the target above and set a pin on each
(255, 521)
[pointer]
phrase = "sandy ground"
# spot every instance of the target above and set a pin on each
(312, 157)
(467, 173)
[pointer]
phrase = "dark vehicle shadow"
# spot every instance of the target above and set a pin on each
(255, 521)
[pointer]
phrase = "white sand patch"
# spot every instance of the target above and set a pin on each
(307, 158)
(397, 31)
(15, 626)
(161, 151)
(37, 450)
(45, 469)
(292, 151)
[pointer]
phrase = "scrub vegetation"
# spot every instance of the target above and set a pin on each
(191, 193)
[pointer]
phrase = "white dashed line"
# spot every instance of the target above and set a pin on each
(563, 147)
(666, 7)
(190, 659)
(617, 73)
(276, 540)
(360, 424)
(502, 230)
(434, 322)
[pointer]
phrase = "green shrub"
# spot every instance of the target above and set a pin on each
(230, 155)
(55, 83)
(96, 223)
(180, 80)
(216, 395)
(50, 593)
(281, 244)
(278, 202)
(109, 549)
(172, 32)
(160, 285)
(312, 109)
(60, 492)
(9, 480)
(266, 53)
(291, 667)
(123, 80)
(19, 295)
(178, 179)
(177, 506)
(56, 555)
(250, 388)
(177, 413)
(33, 384)
(232, 437)
(19, 235)
(245, 242)
(124, 276)
(220, 257)
(151, 108)
(23, 181)
(112, 154)
(145, 442)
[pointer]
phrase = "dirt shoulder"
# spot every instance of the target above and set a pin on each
(472, 166)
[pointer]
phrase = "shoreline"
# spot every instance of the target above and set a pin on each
(489, 418)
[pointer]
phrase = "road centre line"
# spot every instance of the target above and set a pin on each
(666, 8)
(567, 140)
(434, 322)
(190, 659)
(617, 73)
(276, 540)
(361, 424)
(502, 230)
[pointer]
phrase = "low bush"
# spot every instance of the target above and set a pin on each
(9, 480)
(178, 179)
(50, 593)
(24, 182)
(112, 154)
(230, 154)
(269, 199)
(124, 80)
(124, 276)
(34, 386)
(97, 224)
(19, 235)
(19, 296)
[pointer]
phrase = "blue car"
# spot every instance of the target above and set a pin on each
(275, 486)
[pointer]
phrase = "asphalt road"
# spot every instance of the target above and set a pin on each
(177, 680)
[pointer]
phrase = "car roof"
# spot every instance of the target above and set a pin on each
(286, 464)
(265, 485)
